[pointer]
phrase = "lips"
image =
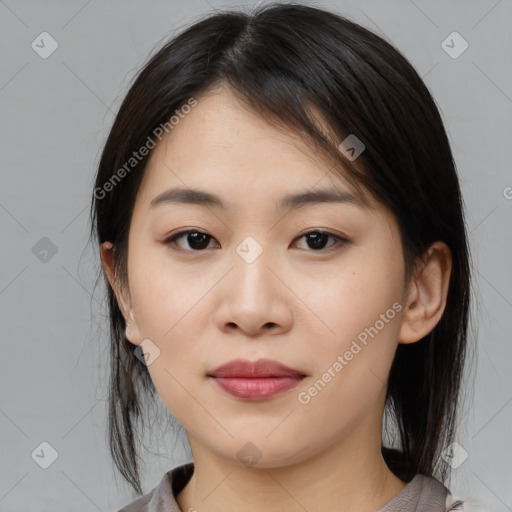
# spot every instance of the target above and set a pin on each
(259, 369)
(255, 381)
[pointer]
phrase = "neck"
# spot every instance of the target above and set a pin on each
(349, 475)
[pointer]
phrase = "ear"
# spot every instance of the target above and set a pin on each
(426, 297)
(123, 299)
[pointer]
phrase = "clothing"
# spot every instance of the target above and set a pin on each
(421, 494)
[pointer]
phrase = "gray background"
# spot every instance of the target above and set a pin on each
(56, 113)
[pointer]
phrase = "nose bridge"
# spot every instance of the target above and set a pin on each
(250, 250)
(251, 260)
(252, 298)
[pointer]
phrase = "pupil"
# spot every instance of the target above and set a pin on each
(315, 237)
(195, 238)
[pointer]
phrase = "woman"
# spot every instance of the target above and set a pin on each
(282, 236)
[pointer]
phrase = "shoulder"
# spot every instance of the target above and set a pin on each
(454, 504)
(426, 493)
(139, 504)
(163, 496)
(432, 490)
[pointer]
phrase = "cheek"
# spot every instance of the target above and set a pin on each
(353, 297)
(352, 357)
(166, 296)
(168, 312)
(356, 311)
(171, 314)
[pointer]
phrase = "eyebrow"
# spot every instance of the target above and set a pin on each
(288, 202)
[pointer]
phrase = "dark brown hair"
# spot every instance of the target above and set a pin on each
(283, 60)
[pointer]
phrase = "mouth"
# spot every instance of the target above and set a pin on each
(255, 381)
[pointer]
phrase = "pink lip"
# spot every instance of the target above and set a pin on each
(257, 380)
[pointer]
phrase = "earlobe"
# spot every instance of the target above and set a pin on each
(427, 295)
(132, 331)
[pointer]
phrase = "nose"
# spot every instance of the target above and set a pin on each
(254, 298)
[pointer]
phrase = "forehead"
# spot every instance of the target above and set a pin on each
(222, 146)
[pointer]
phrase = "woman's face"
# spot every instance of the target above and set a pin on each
(258, 284)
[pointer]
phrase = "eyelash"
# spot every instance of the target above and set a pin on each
(338, 240)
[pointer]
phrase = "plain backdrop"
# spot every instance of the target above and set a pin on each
(56, 113)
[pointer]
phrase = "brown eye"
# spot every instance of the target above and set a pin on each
(196, 240)
(317, 240)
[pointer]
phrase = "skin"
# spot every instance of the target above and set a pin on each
(297, 304)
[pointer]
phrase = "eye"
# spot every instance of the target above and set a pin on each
(317, 239)
(198, 240)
